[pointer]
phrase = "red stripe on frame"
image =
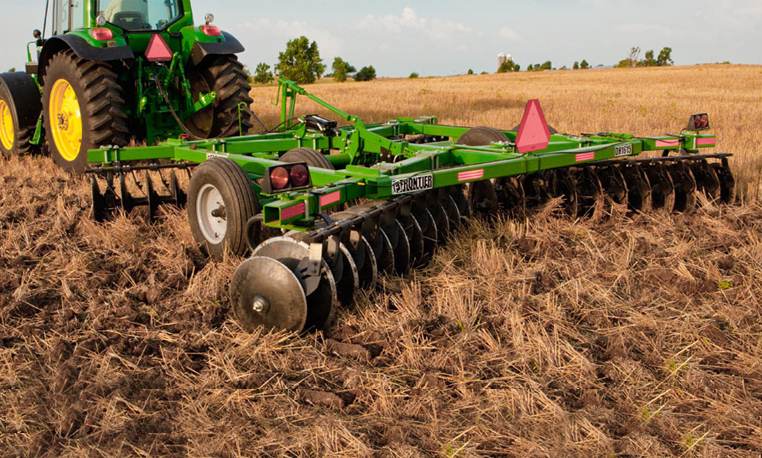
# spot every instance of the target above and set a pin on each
(585, 156)
(663, 143)
(706, 141)
(328, 199)
(471, 175)
(290, 212)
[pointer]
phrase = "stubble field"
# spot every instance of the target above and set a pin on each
(537, 337)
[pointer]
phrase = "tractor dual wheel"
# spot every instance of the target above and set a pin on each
(83, 109)
(221, 201)
(20, 108)
(230, 114)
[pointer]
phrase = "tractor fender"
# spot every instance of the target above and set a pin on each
(25, 97)
(231, 45)
(82, 49)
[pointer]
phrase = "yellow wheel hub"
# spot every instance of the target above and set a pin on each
(66, 120)
(7, 132)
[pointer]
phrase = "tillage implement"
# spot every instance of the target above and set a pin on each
(356, 201)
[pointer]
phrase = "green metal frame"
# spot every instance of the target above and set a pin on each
(369, 157)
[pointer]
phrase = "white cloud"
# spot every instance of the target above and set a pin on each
(409, 21)
(507, 33)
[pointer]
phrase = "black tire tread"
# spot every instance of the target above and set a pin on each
(481, 136)
(233, 183)
(232, 88)
(102, 104)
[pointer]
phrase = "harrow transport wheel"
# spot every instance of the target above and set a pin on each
(481, 136)
(83, 109)
(20, 107)
(310, 156)
(221, 201)
(727, 182)
(321, 294)
(225, 76)
(638, 187)
(662, 187)
(266, 293)
(685, 187)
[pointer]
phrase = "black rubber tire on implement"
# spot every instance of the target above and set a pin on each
(481, 136)
(225, 76)
(15, 89)
(101, 105)
(310, 156)
(238, 199)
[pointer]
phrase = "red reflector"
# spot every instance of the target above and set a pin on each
(211, 30)
(291, 212)
(534, 133)
(300, 176)
(471, 175)
(706, 141)
(330, 199)
(279, 178)
(582, 157)
(102, 34)
(158, 50)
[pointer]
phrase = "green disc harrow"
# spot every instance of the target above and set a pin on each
(356, 201)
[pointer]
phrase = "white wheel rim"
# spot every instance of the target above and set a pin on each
(210, 214)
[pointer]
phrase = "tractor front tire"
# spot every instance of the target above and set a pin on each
(20, 108)
(225, 76)
(83, 109)
(221, 201)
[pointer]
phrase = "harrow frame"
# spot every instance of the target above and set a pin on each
(412, 175)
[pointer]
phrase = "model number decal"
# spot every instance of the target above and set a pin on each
(413, 184)
(623, 150)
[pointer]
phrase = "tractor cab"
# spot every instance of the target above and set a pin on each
(140, 15)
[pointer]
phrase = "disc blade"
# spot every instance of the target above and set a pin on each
(451, 211)
(564, 185)
(510, 193)
(638, 187)
(265, 293)
(483, 199)
(461, 201)
(662, 188)
(322, 301)
(367, 270)
(415, 237)
(429, 230)
(727, 183)
(440, 221)
(589, 193)
(350, 278)
(401, 251)
(685, 187)
(614, 186)
(707, 181)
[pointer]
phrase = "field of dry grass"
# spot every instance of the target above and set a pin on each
(544, 337)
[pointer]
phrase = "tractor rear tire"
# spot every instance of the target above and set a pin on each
(221, 201)
(20, 108)
(225, 76)
(481, 136)
(83, 109)
(310, 156)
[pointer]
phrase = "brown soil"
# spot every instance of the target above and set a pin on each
(546, 337)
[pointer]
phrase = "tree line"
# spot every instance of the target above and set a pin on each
(301, 62)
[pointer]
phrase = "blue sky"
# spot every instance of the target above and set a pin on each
(449, 37)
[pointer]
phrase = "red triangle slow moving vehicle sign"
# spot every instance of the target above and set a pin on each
(158, 49)
(534, 133)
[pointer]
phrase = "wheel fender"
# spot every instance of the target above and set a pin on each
(25, 97)
(82, 49)
(230, 45)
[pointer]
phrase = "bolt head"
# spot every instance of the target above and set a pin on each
(260, 305)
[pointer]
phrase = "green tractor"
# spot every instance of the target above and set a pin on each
(116, 71)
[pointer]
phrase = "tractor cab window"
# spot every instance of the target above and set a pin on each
(139, 15)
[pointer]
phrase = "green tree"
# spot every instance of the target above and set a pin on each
(649, 60)
(584, 65)
(300, 61)
(665, 58)
(470, 71)
(575, 66)
(548, 65)
(263, 75)
(12, 70)
(509, 67)
(340, 70)
(631, 60)
(413, 75)
(366, 74)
